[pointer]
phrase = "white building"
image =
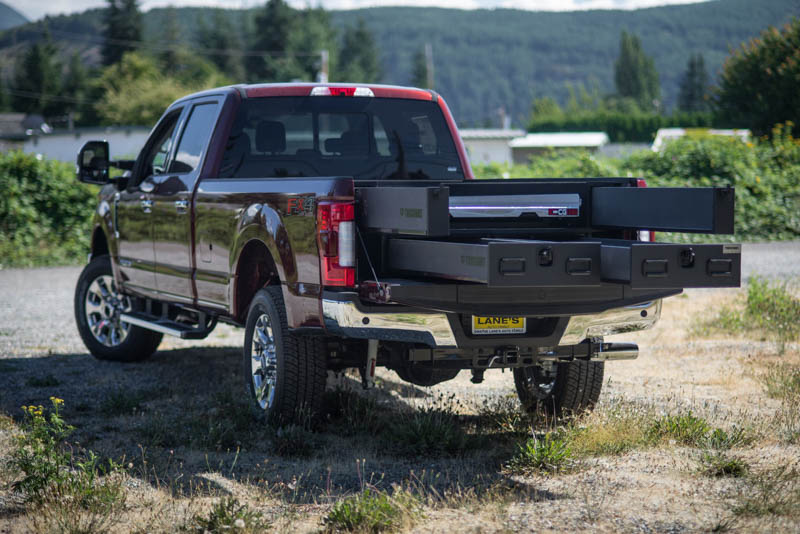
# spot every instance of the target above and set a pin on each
(125, 142)
(533, 144)
(664, 135)
(489, 145)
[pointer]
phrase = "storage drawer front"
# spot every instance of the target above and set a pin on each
(667, 265)
(544, 264)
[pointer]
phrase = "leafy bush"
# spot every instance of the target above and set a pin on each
(45, 213)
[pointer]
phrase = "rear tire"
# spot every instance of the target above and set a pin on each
(569, 388)
(98, 305)
(285, 374)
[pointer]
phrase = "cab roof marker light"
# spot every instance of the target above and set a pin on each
(341, 91)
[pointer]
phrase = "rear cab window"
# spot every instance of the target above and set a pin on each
(367, 138)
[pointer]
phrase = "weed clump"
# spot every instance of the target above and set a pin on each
(772, 492)
(228, 515)
(782, 381)
(551, 453)
(373, 511)
(71, 492)
(769, 308)
(686, 429)
(719, 465)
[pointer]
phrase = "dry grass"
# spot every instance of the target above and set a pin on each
(194, 459)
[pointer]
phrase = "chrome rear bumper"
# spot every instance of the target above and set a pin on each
(343, 317)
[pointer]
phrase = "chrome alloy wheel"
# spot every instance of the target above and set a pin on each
(103, 307)
(264, 362)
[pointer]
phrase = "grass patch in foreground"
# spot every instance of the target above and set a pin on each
(228, 516)
(70, 493)
(770, 308)
(550, 453)
(373, 511)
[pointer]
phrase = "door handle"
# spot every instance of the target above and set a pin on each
(147, 205)
(181, 206)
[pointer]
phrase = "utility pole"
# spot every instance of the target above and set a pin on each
(322, 76)
(429, 64)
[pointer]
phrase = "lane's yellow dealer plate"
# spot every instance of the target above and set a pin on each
(498, 325)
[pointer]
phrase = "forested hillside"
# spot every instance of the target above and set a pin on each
(486, 59)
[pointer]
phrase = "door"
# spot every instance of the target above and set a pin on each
(172, 198)
(135, 208)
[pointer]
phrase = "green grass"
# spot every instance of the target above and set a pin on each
(782, 381)
(719, 464)
(123, 402)
(431, 431)
(685, 429)
(549, 453)
(373, 511)
(770, 310)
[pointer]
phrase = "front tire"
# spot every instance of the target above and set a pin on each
(560, 389)
(98, 305)
(285, 374)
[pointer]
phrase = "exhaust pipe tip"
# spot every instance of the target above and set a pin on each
(615, 351)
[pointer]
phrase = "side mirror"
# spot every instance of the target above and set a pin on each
(93, 163)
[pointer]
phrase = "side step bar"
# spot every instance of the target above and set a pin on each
(167, 326)
(615, 351)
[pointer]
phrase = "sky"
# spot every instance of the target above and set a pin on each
(36, 9)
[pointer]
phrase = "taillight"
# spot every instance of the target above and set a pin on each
(336, 240)
(644, 235)
(341, 91)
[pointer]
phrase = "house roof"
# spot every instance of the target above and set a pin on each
(489, 133)
(560, 140)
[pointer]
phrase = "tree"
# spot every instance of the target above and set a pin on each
(759, 82)
(223, 39)
(693, 95)
(171, 41)
(75, 85)
(274, 24)
(313, 34)
(36, 79)
(546, 108)
(419, 70)
(358, 59)
(123, 29)
(635, 73)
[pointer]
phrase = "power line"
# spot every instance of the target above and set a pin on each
(58, 98)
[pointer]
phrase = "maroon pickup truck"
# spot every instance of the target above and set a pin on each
(341, 226)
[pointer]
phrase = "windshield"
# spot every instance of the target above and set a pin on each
(367, 138)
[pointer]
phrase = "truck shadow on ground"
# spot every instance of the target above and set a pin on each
(181, 422)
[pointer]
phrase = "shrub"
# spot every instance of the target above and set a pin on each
(45, 213)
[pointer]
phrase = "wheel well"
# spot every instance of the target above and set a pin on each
(99, 243)
(255, 270)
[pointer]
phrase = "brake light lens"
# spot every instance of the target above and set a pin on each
(644, 235)
(336, 241)
(342, 91)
